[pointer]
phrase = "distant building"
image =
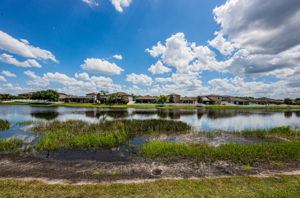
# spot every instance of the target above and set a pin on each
(121, 96)
(146, 99)
(28, 94)
(92, 96)
(174, 98)
(189, 100)
(76, 99)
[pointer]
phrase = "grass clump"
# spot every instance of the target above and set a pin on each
(283, 132)
(10, 145)
(79, 134)
(231, 187)
(245, 154)
(4, 125)
(28, 122)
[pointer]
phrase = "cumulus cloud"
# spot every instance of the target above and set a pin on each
(118, 56)
(162, 80)
(83, 76)
(159, 68)
(9, 59)
(95, 65)
(2, 78)
(120, 4)
(9, 74)
(91, 3)
(139, 79)
(266, 35)
(23, 48)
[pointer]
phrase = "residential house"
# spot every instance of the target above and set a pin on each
(92, 96)
(189, 100)
(76, 99)
(28, 94)
(122, 96)
(146, 99)
(174, 98)
(237, 100)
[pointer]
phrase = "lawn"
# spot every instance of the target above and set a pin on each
(232, 187)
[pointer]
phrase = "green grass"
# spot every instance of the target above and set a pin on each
(108, 134)
(284, 132)
(245, 154)
(28, 122)
(233, 187)
(4, 125)
(10, 145)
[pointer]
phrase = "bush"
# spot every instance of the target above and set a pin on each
(4, 125)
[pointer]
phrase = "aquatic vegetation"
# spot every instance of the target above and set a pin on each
(28, 122)
(246, 154)
(283, 132)
(10, 145)
(107, 134)
(4, 125)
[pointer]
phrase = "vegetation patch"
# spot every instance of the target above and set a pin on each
(10, 145)
(245, 154)
(242, 187)
(4, 125)
(108, 134)
(281, 132)
(28, 122)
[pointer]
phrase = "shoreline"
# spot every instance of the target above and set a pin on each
(90, 105)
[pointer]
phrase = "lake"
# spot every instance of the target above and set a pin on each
(200, 119)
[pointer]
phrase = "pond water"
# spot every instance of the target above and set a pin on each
(200, 119)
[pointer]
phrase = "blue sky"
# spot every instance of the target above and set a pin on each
(205, 47)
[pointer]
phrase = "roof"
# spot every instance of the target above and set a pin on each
(147, 97)
(28, 93)
(189, 98)
(237, 99)
(94, 93)
(77, 97)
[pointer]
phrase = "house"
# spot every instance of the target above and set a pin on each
(122, 96)
(237, 101)
(189, 100)
(146, 99)
(215, 99)
(174, 98)
(92, 96)
(28, 94)
(76, 99)
(62, 96)
(266, 101)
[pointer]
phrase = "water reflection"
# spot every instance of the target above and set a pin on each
(201, 119)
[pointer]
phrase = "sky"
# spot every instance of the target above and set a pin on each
(151, 47)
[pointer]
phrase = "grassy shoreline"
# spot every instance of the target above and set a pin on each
(150, 106)
(243, 187)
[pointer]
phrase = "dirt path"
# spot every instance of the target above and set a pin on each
(134, 171)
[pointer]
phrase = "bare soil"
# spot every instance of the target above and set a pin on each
(136, 169)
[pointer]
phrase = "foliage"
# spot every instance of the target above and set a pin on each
(297, 101)
(49, 95)
(288, 101)
(107, 134)
(10, 145)
(162, 99)
(4, 125)
(246, 154)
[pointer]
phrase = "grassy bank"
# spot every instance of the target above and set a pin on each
(10, 145)
(4, 125)
(245, 154)
(78, 134)
(242, 187)
(152, 106)
(280, 132)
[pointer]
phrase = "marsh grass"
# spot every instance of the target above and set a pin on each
(281, 132)
(28, 122)
(245, 154)
(4, 125)
(107, 134)
(10, 145)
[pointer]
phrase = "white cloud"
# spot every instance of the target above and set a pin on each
(96, 65)
(120, 4)
(2, 78)
(23, 48)
(91, 3)
(9, 59)
(162, 80)
(159, 68)
(139, 79)
(83, 76)
(221, 44)
(9, 74)
(118, 56)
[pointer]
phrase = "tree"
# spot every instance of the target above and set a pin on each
(297, 101)
(200, 100)
(288, 101)
(162, 99)
(49, 95)
(112, 98)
